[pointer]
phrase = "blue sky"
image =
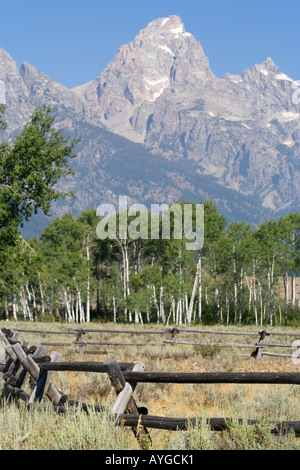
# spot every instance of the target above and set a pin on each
(73, 40)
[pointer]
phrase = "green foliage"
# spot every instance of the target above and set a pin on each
(29, 170)
(2, 122)
(31, 167)
(255, 437)
(152, 280)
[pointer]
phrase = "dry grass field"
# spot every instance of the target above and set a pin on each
(45, 429)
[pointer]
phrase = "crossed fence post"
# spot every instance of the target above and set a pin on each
(125, 403)
(23, 360)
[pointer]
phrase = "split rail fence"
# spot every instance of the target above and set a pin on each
(24, 361)
(170, 337)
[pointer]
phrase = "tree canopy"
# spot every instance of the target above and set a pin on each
(241, 275)
(30, 167)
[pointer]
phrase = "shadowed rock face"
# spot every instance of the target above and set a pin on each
(159, 93)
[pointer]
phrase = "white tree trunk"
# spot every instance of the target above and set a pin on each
(42, 296)
(197, 282)
(15, 307)
(67, 302)
(88, 308)
(114, 308)
(161, 304)
(156, 304)
(293, 289)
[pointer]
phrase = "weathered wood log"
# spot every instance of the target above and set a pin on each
(174, 332)
(122, 400)
(9, 391)
(39, 351)
(214, 377)
(112, 367)
(265, 353)
(54, 332)
(7, 365)
(125, 395)
(112, 343)
(179, 377)
(214, 332)
(220, 345)
(42, 360)
(127, 332)
(3, 337)
(33, 369)
(10, 335)
(83, 366)
(19, 378)
(119, 383)
(154, 332)
(92, 330)
(43, 384)
(11, 377)
(27, 362)
(216, 424)
(231, 345)
(10, 352)
(28, 366)
(12, 362)
(258, 351)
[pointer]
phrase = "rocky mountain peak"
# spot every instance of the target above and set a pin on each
(166, 24)
(170, 28)
(241, 131)
(162, 58)
(16, 93)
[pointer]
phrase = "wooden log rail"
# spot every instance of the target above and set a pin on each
(24, 359)
(258, 349)
(215, 424)
(143, 420)
(23, 362)
(292, 378)
(183, 424)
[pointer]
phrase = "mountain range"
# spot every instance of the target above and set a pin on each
(158, 126)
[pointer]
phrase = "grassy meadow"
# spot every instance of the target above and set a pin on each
(41, 428)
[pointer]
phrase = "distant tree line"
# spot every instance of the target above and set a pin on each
(69, 274)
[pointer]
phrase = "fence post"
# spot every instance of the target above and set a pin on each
(22, 374)
(259, 350)
(126, 401)
(43, 384)
(79, 340)
(174, 332)
(33, 369)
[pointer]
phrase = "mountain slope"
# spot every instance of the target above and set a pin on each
(158, 126)
(244, 130)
